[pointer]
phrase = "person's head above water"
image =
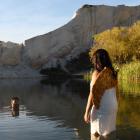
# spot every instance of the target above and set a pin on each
(15, 103)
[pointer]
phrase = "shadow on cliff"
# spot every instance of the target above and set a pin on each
(73, 67)
(55, 73)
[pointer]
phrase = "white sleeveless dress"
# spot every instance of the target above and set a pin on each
(103, 120)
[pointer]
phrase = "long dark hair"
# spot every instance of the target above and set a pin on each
(101, 59)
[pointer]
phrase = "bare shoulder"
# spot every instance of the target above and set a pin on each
(95, 75)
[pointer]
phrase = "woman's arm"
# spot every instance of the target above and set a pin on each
(90, 97)
(88, 108)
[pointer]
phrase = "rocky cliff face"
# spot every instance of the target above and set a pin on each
(12, 63)
(61, 47)
(66, 43)
(10, 53)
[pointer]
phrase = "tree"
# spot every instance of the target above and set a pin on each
(122, 43)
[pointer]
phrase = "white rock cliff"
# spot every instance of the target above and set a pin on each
(75, 37)
(12, 62)
(66, 43)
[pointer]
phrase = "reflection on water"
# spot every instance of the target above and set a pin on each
(111, 136)
(130, 87)
(54, 110)
(15, 113)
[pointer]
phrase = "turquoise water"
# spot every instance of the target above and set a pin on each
(52, 110)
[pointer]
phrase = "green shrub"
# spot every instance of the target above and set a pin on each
(129, 78)
(122, 43)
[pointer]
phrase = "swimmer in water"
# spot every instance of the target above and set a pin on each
(15, 106)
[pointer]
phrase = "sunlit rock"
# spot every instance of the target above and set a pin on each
(10, 53)
(65, 44)
(12, 63)
(67, 47)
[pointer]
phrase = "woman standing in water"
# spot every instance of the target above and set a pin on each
(101, 109)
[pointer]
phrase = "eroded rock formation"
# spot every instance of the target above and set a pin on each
(61, 46)
(12, 61)
(64, 46)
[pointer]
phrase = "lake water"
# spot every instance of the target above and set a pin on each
(52, 110)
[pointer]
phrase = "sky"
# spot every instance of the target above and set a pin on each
(24, 19)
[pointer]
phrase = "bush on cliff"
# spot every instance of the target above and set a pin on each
(122, 43)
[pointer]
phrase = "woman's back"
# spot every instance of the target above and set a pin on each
(101, 108)
(103, 119)
(109, 101)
